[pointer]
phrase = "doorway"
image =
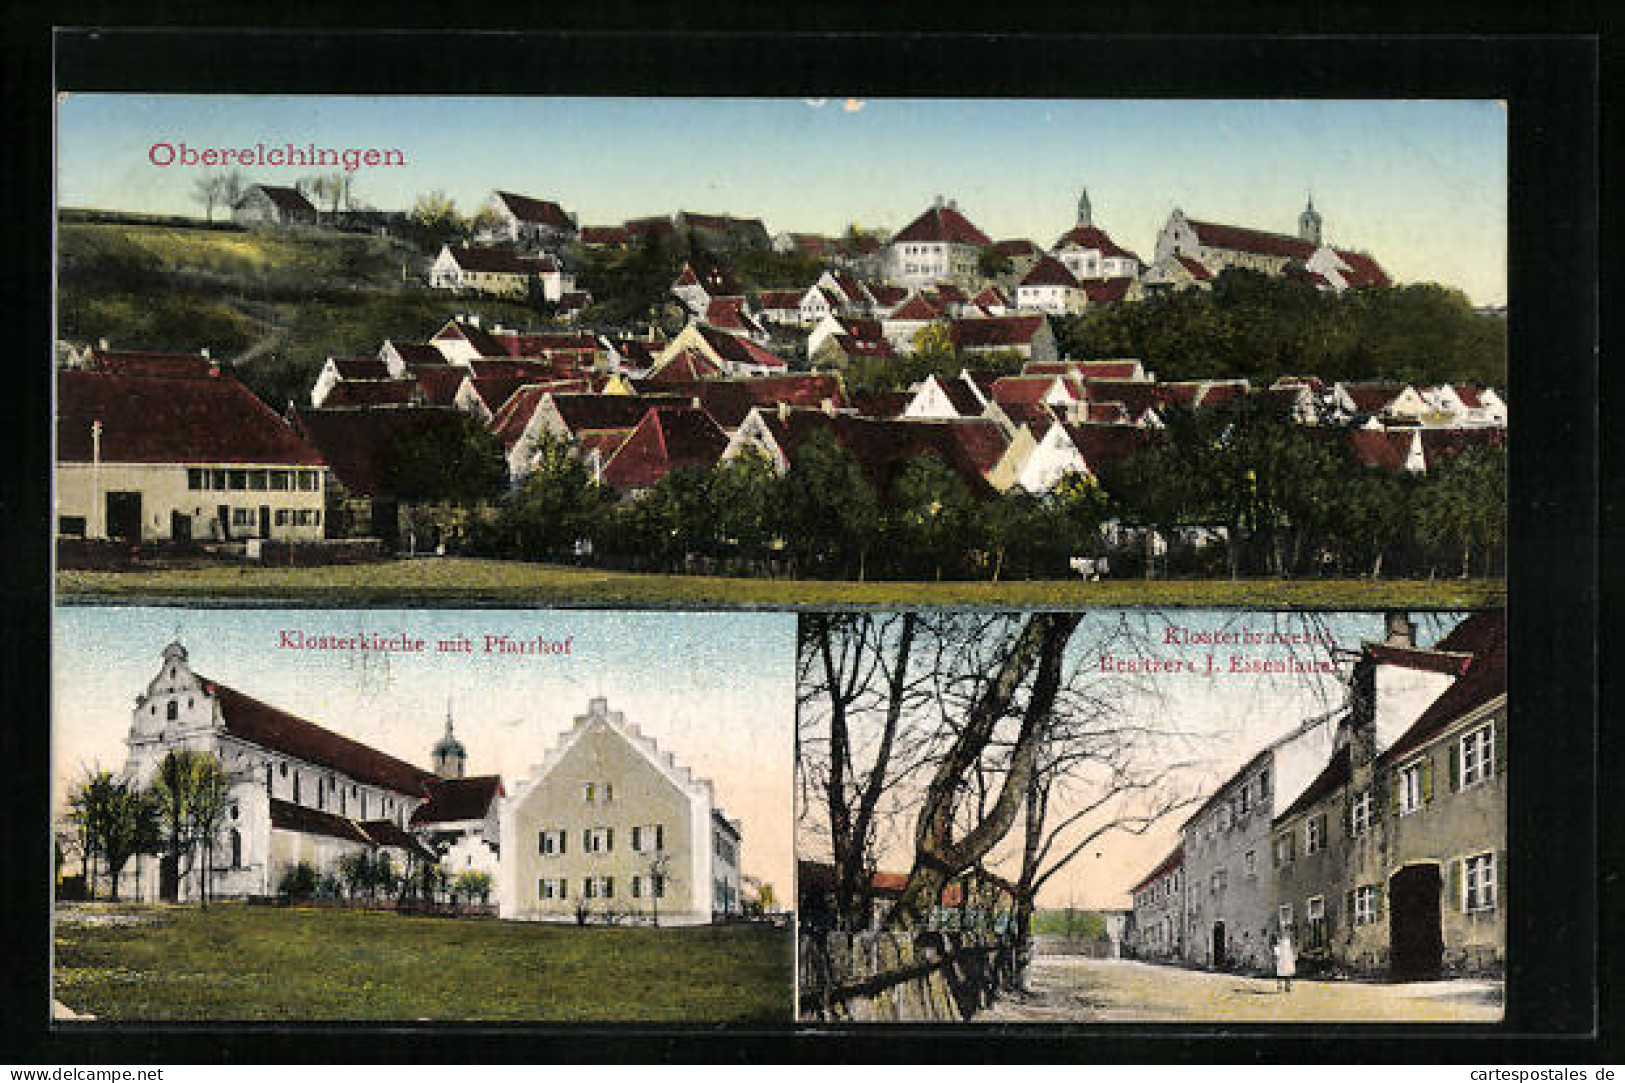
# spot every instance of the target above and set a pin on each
(180, 526)
(265, 520)
(1415, 940)
(1221, 958)
(124, 516)
(169, 878)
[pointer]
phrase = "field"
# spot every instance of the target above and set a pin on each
(472, 581)
(248, 963)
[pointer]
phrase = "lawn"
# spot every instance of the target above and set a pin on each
(236, 963)
(472, 581)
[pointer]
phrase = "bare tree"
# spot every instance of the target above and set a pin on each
(210, 190)
(658, 868)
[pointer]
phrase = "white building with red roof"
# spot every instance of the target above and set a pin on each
(530, 223)
(497, 271)
(941, 245)
(1088, 251)
(1215, 246)
(1051, 288)
(297, 792)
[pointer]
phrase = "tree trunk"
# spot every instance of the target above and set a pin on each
(938, 855)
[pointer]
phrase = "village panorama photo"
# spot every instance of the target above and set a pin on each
(399, 821)
(1198, 816)
(739, 352)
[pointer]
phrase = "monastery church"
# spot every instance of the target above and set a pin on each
(299, 792)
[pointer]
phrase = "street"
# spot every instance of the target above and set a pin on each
(1071, 988)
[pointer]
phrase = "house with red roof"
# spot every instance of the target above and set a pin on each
(299, 792)
(941, 245)
(180, 458)
(1087, 251)
(722, 232)
(667, 438)
(610, 237)
(1357, 402)
(700, 350)
(273, 205)
(497, 271)
(944, 399)
(529, 223)
(1466, 405)
(1049, 287)
(702, 280)
(592, 426)
(1186, 243)
(1029, 335)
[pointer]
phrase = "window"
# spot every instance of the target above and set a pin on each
(552, 889)
(1365, 904)
(550, 842)
(217, 479)
(637, 887)
(598, 840)
(309, 480)
(280, 480)
(1314, 834)
(1410, 788)
(239, 479)
(296, 787)
(1283, 917)
(256, 480)
(236, 849)
(71, 526)
(589, 791)
(196, 479)
(172, 711)
(1478, 875)
(1283, 850)
(1477, 756)
(282, 517)
(1315, 916)
(1251, 861)
(1360, 813)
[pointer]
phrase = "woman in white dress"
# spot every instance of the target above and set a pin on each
(1286, 961)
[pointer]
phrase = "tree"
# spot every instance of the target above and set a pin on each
(931, 510)
(746, 490)
(991, 263)
(558, 506)
(473, 884)
(461, 462)
(209, 190)
(190, 791)
(116, 821)
(657, 867)
(831, 511)
(947, 843)
(355, 872)
(434, 221)
(853, 667)
(1462, 505)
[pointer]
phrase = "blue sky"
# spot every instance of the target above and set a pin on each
(1421, 185)
(716, 690)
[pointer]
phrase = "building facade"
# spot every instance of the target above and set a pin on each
(609, 827)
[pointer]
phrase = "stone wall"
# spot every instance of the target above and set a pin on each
(910, 977)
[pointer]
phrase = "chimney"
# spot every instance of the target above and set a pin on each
(1398, 628)
(953, 204)
(784, 411)
(474, 319)
(938, 201)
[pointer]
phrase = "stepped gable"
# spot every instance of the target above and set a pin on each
(168, 419)
(598, 713)
(274, 729)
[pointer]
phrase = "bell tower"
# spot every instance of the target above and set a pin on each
(1086, 216)
(450, 759)
(1309, 223)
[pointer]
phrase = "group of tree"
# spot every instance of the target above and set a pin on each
(178, 818)
(961, 742)
(1235, 490)
(933, 353)
(1260, 327)
(327, 192)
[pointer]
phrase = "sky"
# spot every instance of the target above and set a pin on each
(717, 690)
(1224, 720)
(1421, 185)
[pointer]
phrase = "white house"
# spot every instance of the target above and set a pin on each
(609, 825)
(941, 245)
(1050, 287)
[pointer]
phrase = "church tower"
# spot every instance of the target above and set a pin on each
(1309, 224)
(450, 758)
(1085, 215)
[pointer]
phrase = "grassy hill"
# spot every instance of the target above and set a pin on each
(276, 303)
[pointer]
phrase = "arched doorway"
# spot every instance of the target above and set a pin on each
(1221, 958)
(1415, 939)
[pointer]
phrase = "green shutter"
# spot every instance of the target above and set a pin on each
(609, 840)
(1500, 878)
(1427, 780)
(1393, 791)
(562, 836)
(1348, 906)
(541, 842)
(1456, 896)
(1455, 764)
(586, 840)
(1377, 893)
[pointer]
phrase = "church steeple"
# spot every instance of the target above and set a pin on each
(450, 758)
(1309, 223)
(1086, 216)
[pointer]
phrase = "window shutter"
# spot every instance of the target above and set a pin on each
(586, 840)
(541, 889)
(1458, 897)
(1455, 765)
(541, 842)
(609, 840)
(1348, 905)
(562, 835)
(1500, 877)
(1427, 780)
(1377, 894)
(1498, 739)
(660, 836)
(1393, 792)
(609, 887)
(637, 848)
